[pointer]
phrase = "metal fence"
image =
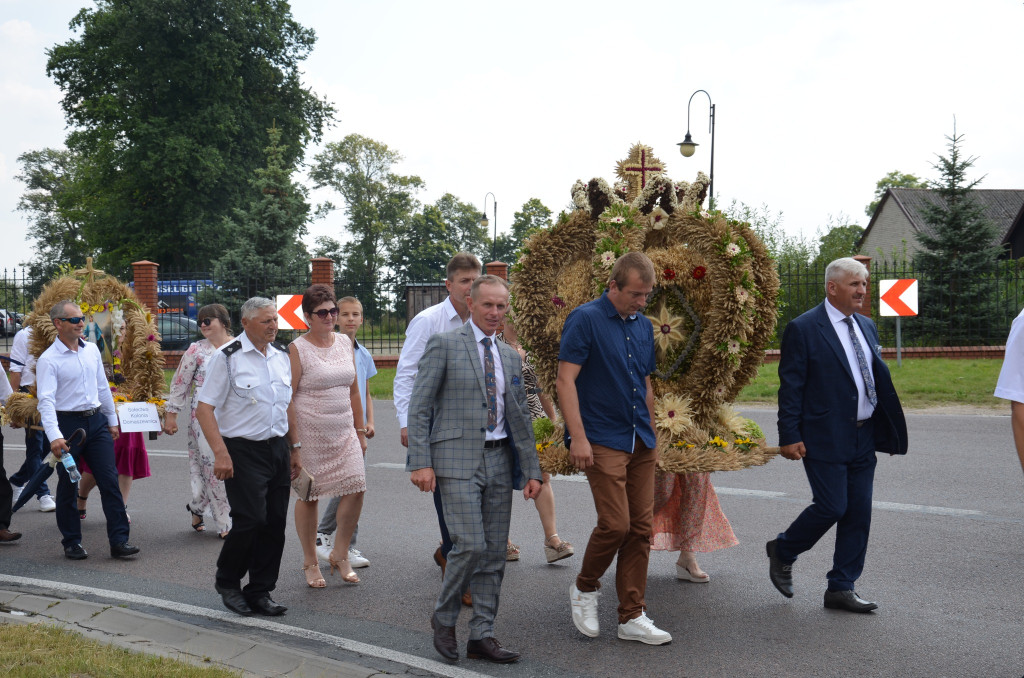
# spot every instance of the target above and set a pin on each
(978, 313)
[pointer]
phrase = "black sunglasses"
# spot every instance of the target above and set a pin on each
(205, 321)
(73, 321)
(323, 313)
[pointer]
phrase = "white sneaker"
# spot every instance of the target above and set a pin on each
(584, 610)
(17, 493)
(357, 559)
(644, 630)
(47, 504)
(323, 546)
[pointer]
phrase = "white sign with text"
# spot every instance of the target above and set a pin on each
(137, 417)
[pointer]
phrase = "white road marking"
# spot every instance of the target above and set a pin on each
(182, 608)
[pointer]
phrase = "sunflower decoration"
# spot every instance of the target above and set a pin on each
(712, 309)
(123, 330)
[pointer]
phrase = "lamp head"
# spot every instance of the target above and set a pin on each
(484, 221)
(687, 146)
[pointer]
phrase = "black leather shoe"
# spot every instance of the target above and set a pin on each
(491, 650)
(849, 601)
(234, 600)
(123, 550)
(444, 639)
(75, 552)
(266, 606)
(780, 573)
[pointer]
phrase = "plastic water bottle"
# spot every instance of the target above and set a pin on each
(72, 468)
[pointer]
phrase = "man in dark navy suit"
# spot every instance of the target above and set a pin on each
(837, 407)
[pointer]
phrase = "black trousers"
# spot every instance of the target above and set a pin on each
(258, 494)
(6, 493)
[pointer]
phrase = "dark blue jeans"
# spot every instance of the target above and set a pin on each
(98, 451)
(34, 454)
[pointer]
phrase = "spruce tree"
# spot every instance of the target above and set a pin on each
(957, 262)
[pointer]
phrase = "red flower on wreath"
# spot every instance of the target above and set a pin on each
(670, 274)
(557, 301)
(699, 272)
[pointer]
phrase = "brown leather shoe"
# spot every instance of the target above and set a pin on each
(7, 535)
(440, 560)
(444, 639)
(491, 650)
(467, 599)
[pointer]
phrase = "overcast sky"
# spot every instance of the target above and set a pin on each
(815, 100)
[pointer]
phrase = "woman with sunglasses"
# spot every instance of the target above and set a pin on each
(321, 425)
(209, 498)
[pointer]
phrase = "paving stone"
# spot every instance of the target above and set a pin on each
(30, 603)
(74, 611)
(267, 661)
(116, 620)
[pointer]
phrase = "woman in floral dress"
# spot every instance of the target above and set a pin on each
(321, 425)
(209, 498)
(688, 519)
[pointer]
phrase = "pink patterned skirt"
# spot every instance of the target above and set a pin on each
(687, 516)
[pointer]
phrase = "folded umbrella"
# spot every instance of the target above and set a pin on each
(45, 470)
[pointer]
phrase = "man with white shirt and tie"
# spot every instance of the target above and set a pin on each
(837, 407)
(74, 393)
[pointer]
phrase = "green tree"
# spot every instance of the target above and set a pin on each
(266, 247)
(55, 196)
(894, 179)
(378, 203)
(837, 241)
(168, 101)
(464, 232)
(531, 217)
(426, 249)
(958, 257)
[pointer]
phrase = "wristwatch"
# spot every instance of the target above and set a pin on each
(296, 446)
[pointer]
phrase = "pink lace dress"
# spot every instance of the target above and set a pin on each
(687, 516)
(323, 410)
(209, 497)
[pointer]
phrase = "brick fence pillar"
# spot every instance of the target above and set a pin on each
(866, 308)
(498, 268)
(145, 274)
(323, 271)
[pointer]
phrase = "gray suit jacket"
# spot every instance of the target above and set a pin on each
(448, 410)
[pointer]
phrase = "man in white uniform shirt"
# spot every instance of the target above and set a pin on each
(74, 393)
(450, 314)
(243, 411)
(23, 376)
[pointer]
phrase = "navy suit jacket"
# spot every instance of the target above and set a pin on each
(818, 396)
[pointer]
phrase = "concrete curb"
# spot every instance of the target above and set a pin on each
(149, 634)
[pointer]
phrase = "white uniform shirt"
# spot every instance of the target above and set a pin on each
(21, 360)
(71, 381)
(5, 389)
(864, 407)
(430, 321)
(253, 404)
(499, 376)
(1010, 385)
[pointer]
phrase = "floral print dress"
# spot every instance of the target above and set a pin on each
(209, 497)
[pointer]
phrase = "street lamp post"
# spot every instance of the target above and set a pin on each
(687, 146)
(485, 223)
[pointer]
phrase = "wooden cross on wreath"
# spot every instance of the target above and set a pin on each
(638, 168)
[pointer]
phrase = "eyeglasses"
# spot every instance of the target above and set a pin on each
(205, 321)
(323, 313)
(73, 321)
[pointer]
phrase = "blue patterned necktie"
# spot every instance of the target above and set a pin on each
(869, 384)
(492, 386)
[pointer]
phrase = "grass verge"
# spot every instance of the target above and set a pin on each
(41, 651)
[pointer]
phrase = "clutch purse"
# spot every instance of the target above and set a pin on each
(302, 485)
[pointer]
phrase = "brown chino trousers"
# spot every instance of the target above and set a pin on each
(623, 488)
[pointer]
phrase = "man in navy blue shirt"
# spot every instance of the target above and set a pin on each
(604, 391)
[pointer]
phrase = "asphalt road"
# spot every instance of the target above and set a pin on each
(944, 565)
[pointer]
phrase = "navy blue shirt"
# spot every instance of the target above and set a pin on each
(615, 356)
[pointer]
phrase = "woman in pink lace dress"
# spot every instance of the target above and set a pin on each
(209, 498)
(688, 519)
(321, 424)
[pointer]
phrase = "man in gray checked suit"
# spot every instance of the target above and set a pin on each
(470, 435)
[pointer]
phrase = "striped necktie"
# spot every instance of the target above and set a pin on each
(869, 384)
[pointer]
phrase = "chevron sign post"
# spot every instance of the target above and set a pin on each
(897, 298)
(289, 312)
